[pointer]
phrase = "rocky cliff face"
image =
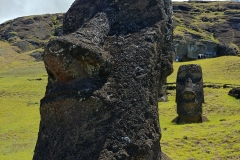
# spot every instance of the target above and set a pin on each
(103, 80)
(207, 28)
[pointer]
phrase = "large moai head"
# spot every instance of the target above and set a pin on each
(103, 80)
(189, 93)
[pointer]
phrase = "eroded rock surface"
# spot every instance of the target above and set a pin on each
(103, 80)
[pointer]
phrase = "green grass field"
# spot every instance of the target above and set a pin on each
(20, 95)
(219, 138)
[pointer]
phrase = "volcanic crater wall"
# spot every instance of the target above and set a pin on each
(103, 80)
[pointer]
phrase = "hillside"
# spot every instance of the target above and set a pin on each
(208, 28)
(31, 32)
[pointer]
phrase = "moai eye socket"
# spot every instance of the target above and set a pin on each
(196, 77)
(181, 77)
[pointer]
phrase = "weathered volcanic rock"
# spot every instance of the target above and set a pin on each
(235, 92)
(103, 80)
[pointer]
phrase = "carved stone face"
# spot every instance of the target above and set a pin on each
(103, 79)
(189, 91)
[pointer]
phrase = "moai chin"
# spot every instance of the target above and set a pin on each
(189, 94)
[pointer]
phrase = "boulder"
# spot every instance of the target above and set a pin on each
(23, 45)
(37, 55)
(101, 100)
(235, 92)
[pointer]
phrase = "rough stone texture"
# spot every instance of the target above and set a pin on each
(189, 93)
(235, 92)
(104, 75)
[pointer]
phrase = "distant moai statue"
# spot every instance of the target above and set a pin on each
(189, 94)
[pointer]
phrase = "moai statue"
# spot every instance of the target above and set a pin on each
(189, 94)
(103, 77)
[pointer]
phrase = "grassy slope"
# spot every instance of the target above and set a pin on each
(218, 70)
(19, 103)
(19, 111)
(217, 139)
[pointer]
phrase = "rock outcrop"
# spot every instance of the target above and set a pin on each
(104, 75)
(31, 32)
(207, 28)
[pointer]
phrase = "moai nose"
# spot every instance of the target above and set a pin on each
(188, 92)
(188, 83)
(74, 61)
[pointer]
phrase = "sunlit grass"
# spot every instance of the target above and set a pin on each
(217, 139)
(20, 95)
(224, 70)
(19, 111)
